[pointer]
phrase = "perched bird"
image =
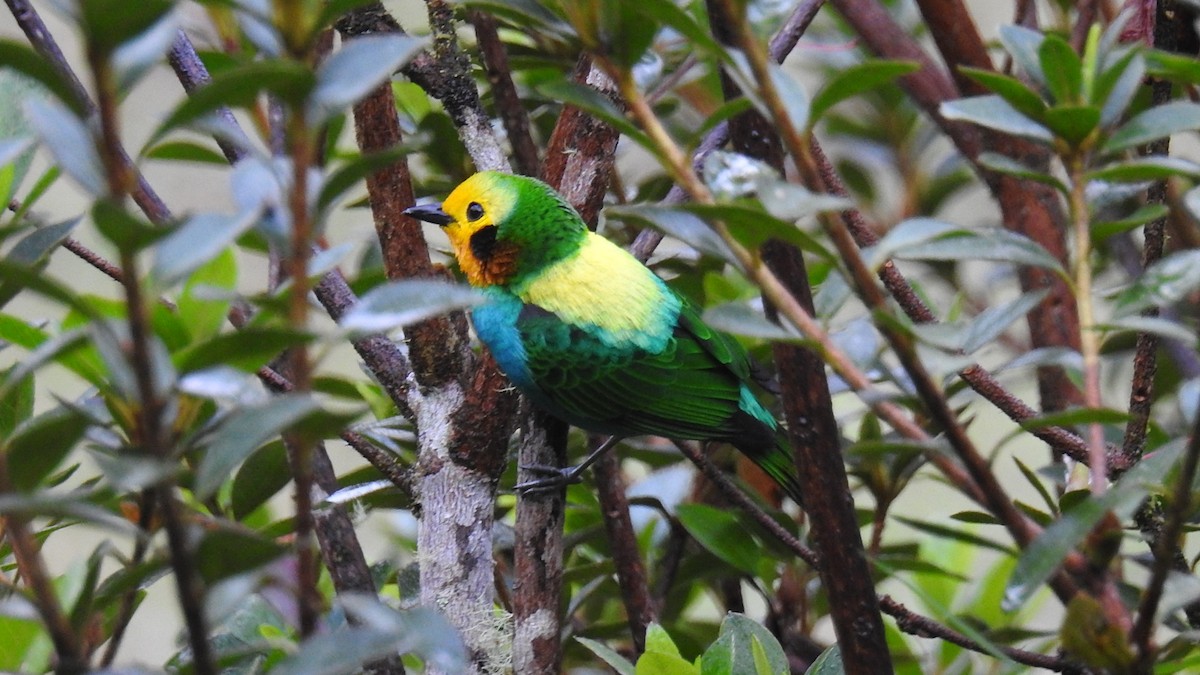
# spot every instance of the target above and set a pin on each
(586, 331)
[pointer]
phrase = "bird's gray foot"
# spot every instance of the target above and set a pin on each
(549, 478)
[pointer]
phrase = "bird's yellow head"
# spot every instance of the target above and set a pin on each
(503, 227)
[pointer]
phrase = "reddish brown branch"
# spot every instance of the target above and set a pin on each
(631, 572)
(504, 91)
(735, 495)
(915, 624)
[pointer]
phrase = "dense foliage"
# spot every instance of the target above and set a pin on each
(964, 254)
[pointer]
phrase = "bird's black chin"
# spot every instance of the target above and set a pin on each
(430, 213)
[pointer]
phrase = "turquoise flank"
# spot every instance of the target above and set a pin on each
(496, 324)
(749, 404)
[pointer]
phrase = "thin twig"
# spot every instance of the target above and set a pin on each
(504, 91)
(915, 624)
(149, 432)
(40, 38)
(723, 483)
(68, 648)
(631, 571)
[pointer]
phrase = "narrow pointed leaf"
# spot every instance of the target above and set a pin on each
(197, 241)
(242, 433)
(357, 68)
(1024, 45)
(994, 112)
(400, 303)
(858, 79)
(1153, 124)
(68, 139)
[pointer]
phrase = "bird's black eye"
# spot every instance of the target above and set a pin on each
(474, 211)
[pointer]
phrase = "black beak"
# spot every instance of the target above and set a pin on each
(430, 213)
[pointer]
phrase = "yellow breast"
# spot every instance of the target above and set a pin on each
(604, 286)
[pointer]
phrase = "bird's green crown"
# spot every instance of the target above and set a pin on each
(505, 228)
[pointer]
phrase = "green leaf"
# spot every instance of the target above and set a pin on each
(993, 321)
(1073, 123)
(1145, 214)
(1117, 86)
(186, 151)
(593, 102)
(62, 348)
(858, 79)
(32, 250)
(1062, 69)
(240, 87)
(608, 655)
(1011, 167)
(127, 231)
(1164, 328)
(352, 172)
(197, 241)
(145, 49)
(994, 112)
(739, 318)
(108, 23)
(70, 142)
(1043, 557)
(955, 534)
(264, 473)
(242, 432)
(1175, 67)
(40, 444)
(1019, 96)
(376, 631)
(1164, 283)
(752, 228)
(23, 59)
(790, 202)
(670, 14)
(362, 64)
(791, 92)
(1025, 46)
(659, 641)
(655, 663)
(1139, 169)
(1153, 124)
(247, 349)
(226, 551)
(722, 533)
(906, 234)
(678, 223)
(828, 663)
(18, 638)
(16, 402)
(408, 301)
(995, 245)
(203, 307)
(743, 646)
(1037, 484)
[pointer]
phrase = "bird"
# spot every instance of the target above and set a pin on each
(591, 335)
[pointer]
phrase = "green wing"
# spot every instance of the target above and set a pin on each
(691, 389)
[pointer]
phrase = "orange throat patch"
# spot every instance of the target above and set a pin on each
(496, 270)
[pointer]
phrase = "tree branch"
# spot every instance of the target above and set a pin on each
(915, 624)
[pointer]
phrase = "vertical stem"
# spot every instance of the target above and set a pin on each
(149, 433)
(15, 528)
(1167, 542)
(1089, 339)
(300, 142)
(631, 572)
